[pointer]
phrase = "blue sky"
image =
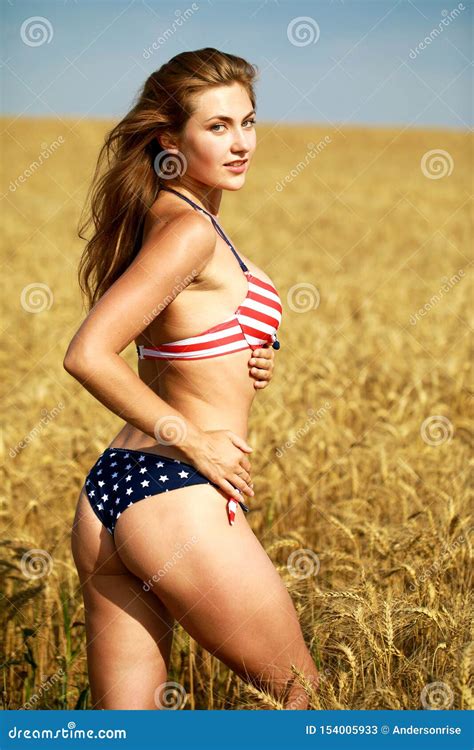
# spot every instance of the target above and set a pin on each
(350, 62)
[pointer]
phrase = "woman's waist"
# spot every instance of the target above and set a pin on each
(206, 416)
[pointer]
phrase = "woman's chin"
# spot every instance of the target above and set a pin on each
(230, 182)
(233, 183)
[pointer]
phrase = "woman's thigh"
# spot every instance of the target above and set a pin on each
(215, 579)
(128, 630)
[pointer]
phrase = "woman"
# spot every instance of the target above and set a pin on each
(175, 476)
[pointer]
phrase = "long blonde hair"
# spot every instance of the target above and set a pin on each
(122, 194)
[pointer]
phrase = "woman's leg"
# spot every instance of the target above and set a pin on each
(219, 582)
(129, 631)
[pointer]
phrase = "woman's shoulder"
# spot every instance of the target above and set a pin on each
(160, 215)
(186, 223)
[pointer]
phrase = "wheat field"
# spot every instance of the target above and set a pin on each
(361, 442)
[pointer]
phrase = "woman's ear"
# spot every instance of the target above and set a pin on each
(166, 142)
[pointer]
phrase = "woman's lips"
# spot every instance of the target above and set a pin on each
(237, 168)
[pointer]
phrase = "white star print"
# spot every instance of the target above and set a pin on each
(115, 487)
(100, 506)
(128, 506)
(115, 475)
(118, 514)
(126, 455)
(183, 473)
(99, 472)
(129, 491)
(141, 458)
(163, 478)
(128, 478)
(104, 497)
(145, 483)
(117, 501)
(101, 484)
(92, 493)
(113, 454)
(114, 463)
(176, 461)
(128, 466)
(143, 470)
(160, 464)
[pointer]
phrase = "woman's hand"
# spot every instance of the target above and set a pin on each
(261, 365)
(220, 456)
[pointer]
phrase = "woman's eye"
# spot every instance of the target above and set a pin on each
(221, 125)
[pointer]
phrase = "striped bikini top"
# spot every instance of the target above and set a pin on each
(253, 324)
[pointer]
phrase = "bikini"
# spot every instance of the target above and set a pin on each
(253, 324)
(123, 476)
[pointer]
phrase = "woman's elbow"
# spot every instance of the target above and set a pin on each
(77, 360)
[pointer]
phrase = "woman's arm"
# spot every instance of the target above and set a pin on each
(167, 262)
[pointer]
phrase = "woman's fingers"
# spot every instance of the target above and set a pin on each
(229, 490)
(261, 366)
(262, 358)
(233, 488)
(261, 377)
(244, 476)
(263, 373)
(241, 484)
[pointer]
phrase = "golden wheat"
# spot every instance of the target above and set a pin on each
(347, 471)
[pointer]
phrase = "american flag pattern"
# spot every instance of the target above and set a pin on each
(122, 476)
(254, 323)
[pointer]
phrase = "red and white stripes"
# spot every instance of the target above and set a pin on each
(254, 323)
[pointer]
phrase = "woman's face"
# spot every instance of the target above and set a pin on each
(221, 130)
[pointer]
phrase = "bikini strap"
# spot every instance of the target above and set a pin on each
(216, 225)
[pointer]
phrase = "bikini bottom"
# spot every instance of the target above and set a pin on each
(122, 477)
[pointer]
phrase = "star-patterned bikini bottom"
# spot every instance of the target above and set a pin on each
(121, 477)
